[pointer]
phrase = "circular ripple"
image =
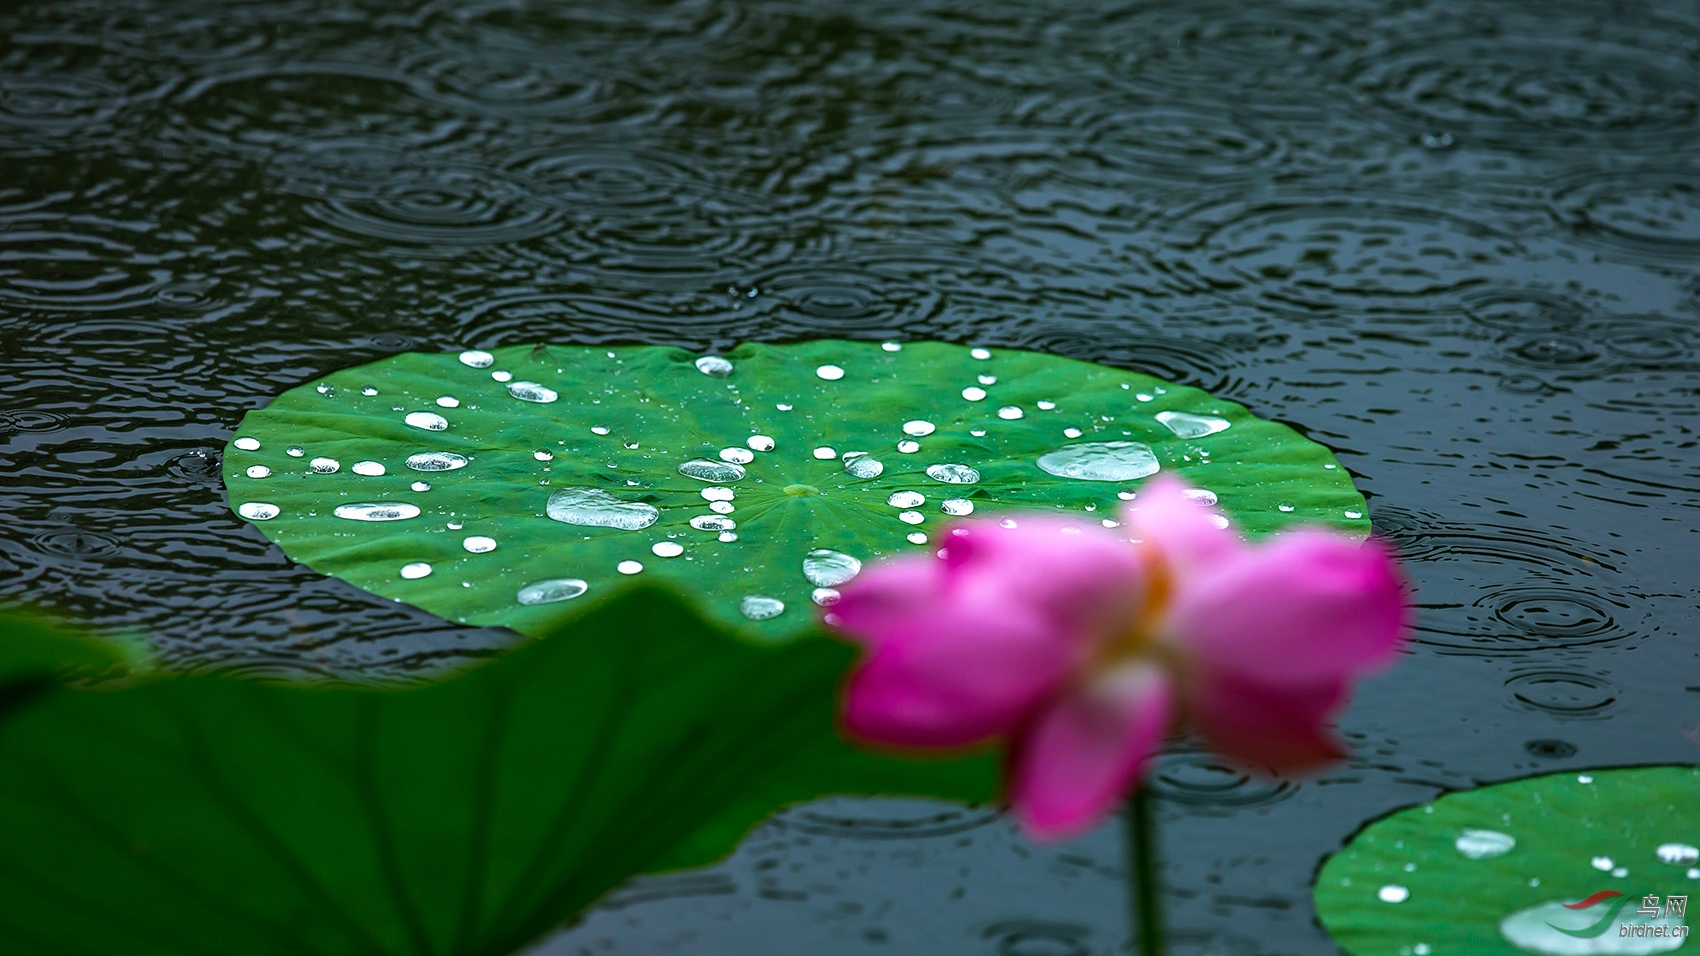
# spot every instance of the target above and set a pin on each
(1563, 693)
(1524, 311)
(59, 270)
(1535, 83)
(1328, 255)
(1212, 783)
(1555, 614)
(73, 543)
(30, 420)
(440, 207)
(1552, 351)
(197, 467)
(1548, 748)
(1524, 384)
(500, 83)
(883, 818)
(1178, 142)
(1652, 344)
(1196, 362)
(1038, 938)
(1645, 215)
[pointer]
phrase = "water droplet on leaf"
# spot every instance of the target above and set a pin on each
(1101, 461)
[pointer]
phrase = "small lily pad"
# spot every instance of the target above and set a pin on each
(509, 486)
(1500, 871)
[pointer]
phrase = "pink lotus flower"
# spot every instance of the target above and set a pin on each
(1083, 651)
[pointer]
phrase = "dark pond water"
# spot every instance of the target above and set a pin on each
(1457, 242)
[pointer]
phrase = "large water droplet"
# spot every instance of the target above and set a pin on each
(1186, 425)
(908, 446)
(532, 392)
(1678, 854)
(917, 537)
(325, 466)
(479, 544)
(826, 453)
(716, 493)
(760, 442)
(911, 517)
(415, 571)
(247, 444)
(1393, 893)
(953, 474)
(974, 393)
(258, 510)
(599, 429)
(737, 456)
(421, 486)
(434, 461)
(294, 451)
(1483, 844)
(721, 507)
(1537, 930)
(1101, 461)
(713, 523)
(430, 421)
(864, 466)
(1601, 863)
(981, 354)
(825, 597)
(892, 346)
(501, 376)
(920, 428)
(370, 469)
(1010, 412)
(906, 499)
(957, 506)
(1072, 433)
(828, 569)
(595, 508)
(447, 401)
(704, 470)
(830, 373)
(760, 607)
(715, 365)
(629, 567)
(667, 549)
(1200, 496)
(259, 471)
(551, 590)
(377, 511)
(477, 359)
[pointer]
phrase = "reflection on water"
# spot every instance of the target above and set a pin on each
(1454, 241)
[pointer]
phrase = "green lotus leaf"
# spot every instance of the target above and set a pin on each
(510, 487)
(36, 651)
(1496, 871)
(204, 815)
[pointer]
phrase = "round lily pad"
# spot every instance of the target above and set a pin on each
(507, 487)
(1597, 861)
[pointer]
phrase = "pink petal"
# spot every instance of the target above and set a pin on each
(1181, 530)
(957, 674)
(1281, 728)
(965, 646)
(1307, 608)
(1081, 754)
(1083, 576)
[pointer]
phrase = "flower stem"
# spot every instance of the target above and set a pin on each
(1142, 873)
